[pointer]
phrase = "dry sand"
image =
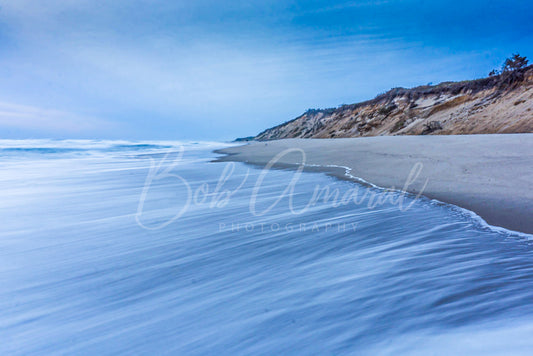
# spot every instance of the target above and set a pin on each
(491, 175)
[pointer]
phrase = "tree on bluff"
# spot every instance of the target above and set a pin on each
(510, 65)
(514, 63)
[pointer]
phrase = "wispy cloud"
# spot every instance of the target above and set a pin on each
(216, 69)
(35, 119)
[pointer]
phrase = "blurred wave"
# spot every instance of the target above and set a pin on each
(80, 275)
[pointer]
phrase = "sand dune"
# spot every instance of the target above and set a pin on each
(483, 106)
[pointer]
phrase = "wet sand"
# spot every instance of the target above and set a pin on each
(491, 175)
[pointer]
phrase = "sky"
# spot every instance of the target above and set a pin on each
(217, 70)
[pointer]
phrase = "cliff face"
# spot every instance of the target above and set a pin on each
(498, 104)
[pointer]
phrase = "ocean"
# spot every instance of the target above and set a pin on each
(126, 247)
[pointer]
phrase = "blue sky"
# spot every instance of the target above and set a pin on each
(209, 69)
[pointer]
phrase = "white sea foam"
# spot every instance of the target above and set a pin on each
(469, 213)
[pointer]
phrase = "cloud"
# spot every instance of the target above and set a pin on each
(210, 69)
(30, 118)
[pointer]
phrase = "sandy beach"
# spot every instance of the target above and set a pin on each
(491, 175)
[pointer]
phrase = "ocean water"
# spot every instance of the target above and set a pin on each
(113, 247)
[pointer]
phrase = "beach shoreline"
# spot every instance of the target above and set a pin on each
(491, 175)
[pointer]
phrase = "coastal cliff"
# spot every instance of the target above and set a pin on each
(497, 104)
